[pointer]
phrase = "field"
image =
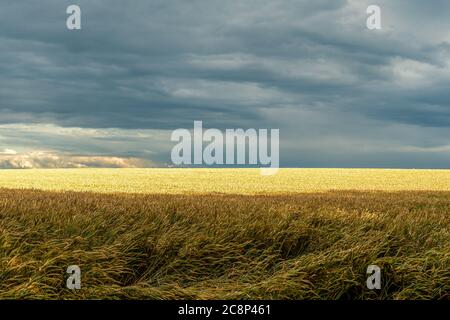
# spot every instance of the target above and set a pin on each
(229, 181)
(224, 234)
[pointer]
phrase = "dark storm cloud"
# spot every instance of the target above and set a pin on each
(310, 68)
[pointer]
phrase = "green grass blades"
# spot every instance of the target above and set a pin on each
(292, 246)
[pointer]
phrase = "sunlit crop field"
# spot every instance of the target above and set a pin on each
(224, 233)
(229, 181)
(305, 246)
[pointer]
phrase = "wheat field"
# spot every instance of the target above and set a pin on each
(224, 233)
(228, 181)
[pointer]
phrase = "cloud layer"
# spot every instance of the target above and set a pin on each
(341, 95)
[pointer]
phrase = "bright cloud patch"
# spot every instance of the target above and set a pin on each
(9, 159)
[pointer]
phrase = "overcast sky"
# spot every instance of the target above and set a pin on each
(111, 93)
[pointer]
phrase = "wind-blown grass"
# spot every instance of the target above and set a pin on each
(291, 246)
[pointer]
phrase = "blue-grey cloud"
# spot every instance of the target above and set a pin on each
(341, 95)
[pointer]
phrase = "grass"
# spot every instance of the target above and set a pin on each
(314, 245)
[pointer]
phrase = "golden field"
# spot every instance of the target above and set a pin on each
(224, 233)
(228, 181)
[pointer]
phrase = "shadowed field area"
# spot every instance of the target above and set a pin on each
(295, 246)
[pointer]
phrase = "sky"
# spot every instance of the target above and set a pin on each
(110, 94)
